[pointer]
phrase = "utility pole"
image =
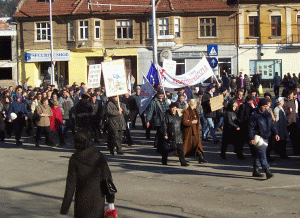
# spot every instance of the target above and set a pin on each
(154, 32)
(52, 76)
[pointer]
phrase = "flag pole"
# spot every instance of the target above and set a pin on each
(214, 73)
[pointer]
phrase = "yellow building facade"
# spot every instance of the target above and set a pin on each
(269, 39)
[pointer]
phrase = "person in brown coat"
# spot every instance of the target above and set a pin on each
(191, 132)
(87, 171)
(44, 113)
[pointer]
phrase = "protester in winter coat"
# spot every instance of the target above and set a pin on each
(56, 122)
(135, 112)
(43, 124)
(66, 104)
(87, 173)
(2, 123)
(231, 132)
(261, 124)
(209, 115)
(182, 92)
(8, 125)
(281, 126)
(256, 81)
(116, 124)
(246, 84)
(19, 109)
(96, 117)
(155, 114)
(191, 132)
(290, 111)
(173, 133)
(244, 114)
(83, 111)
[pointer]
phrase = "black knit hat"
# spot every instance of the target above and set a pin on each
(160, 91)
(262, 102)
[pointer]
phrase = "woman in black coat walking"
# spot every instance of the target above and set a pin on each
(231, 131)
(173, 133)
(87, 170)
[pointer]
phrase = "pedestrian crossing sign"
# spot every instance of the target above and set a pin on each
(212, 50)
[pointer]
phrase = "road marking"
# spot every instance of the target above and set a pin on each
(274, 187)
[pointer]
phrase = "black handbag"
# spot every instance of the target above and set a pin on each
(169, 146)
(108, 187)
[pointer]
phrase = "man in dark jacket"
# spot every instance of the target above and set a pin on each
(130, 103)
(83, 111)
(256, 81)
(96, 116)
(156, 113)
(226, 81)
(116, 124)
(209, 115)
(135, 112)
(19, 109)
(261, 124)
(276, 84)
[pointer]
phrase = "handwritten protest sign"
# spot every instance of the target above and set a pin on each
(216, 103)
(114, 77)
(94, 76)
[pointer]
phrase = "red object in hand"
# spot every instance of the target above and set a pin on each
(111, 213)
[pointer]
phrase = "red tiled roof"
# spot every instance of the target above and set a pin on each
(4, 25)
(34, 8)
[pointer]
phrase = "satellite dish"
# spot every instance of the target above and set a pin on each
(165, 54)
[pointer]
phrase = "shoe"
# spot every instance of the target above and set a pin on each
(120, 152)
(270, 160)
(185, 164)
(241, 157)
(223, 156)
(216, 141)
(205, 139)
(18, 143)
(164, 163)
(37, 145)
(268, 173)
(112, 153)
(147, 137)
(201, 159)
(256, 172)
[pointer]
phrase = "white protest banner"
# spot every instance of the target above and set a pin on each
(114, 77)
(94, 76)
(201, 72)
(170, 66)
(147, 93)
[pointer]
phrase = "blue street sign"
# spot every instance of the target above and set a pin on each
(213, 62)
(212, 50)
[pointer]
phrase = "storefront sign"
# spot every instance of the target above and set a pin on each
(166, 44)
(187, 54)
(45, 56)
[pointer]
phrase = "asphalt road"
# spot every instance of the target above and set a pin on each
(32, 183)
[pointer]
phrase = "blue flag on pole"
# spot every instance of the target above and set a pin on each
(152, 76)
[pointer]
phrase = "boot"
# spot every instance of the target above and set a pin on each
(268, 173)
(256, 172)
(201, 158)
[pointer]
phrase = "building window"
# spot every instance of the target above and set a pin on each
(97, 29)
(84, 29)
(177, 27)
(208, 27)
(163, 26)
(276, 25)
(6, 73)
(150, 28)
(253, 26)
(42, 31)
(71, 30)
(124, 29)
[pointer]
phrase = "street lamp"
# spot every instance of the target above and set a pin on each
(52, 77)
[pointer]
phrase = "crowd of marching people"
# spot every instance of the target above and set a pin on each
(182, 120)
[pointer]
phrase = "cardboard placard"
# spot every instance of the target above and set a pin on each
(94, 76)
(216, 103)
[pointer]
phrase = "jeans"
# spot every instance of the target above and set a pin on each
(260, 159)
(210, 128)
(203, 123)
(219, 124)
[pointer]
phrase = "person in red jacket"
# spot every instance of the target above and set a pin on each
(56, 121)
